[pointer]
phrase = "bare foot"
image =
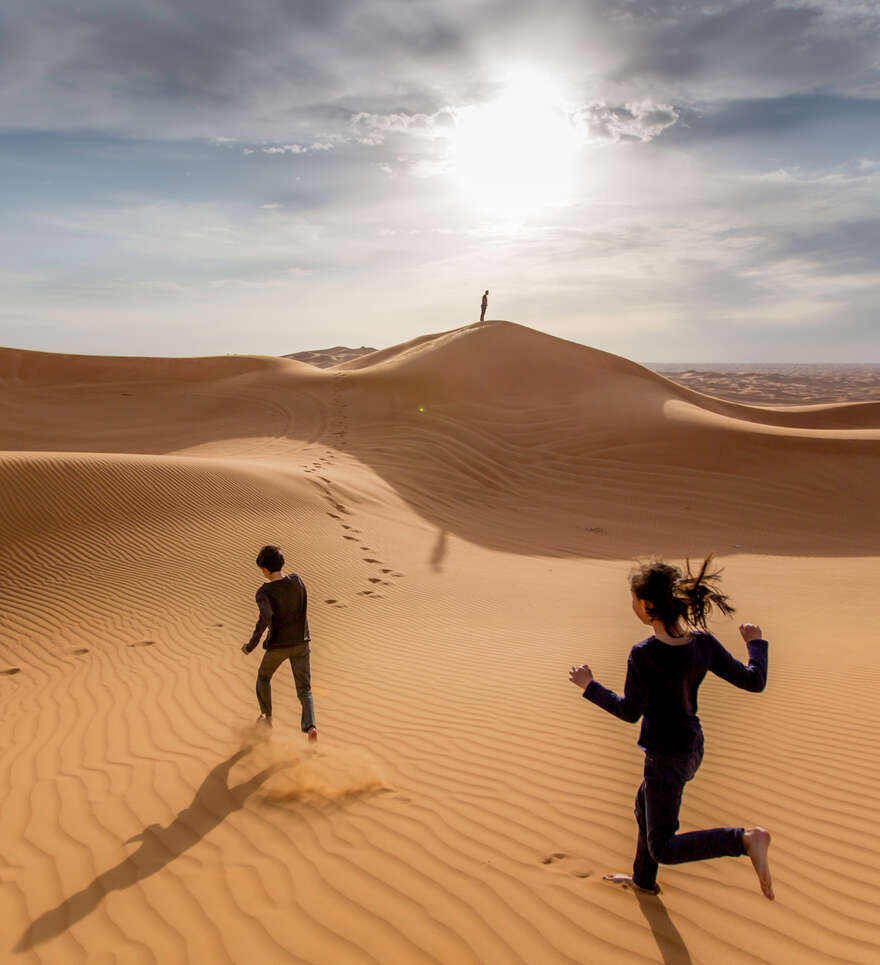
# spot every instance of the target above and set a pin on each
(313, 734)
(263, 719)
(627, 881)
(756, 841)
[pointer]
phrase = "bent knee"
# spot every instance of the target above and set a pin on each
(657, 848)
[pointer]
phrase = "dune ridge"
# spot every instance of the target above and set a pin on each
(464, 509)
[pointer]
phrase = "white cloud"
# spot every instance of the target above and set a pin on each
(285, 149)
(628, 122)
(372, 129)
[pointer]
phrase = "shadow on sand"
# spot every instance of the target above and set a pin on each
(669, 941)
(439, 551)
(214, 801)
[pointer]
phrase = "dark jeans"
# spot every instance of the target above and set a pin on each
(658, 802)
(299, 663)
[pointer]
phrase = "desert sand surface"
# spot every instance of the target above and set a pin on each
(464, 509)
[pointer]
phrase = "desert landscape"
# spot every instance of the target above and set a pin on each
(464, 509)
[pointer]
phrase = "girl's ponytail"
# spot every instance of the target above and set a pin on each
(700, 594)
(674, 597)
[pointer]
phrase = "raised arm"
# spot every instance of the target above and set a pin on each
(631, 705)
(752, 677)
(264, 621)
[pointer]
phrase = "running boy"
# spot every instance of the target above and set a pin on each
(663, 674)
(282, 602)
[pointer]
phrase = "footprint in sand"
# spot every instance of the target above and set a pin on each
(9, 671)
(369, 559)
(333, 516)
(568, 864)
(354, 538)
(80, 651)
(143, 643)
(556, 856)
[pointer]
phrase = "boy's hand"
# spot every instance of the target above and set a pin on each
(750, 631)
(582, 676)
(244, 648)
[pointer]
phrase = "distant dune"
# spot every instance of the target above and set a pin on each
(464, 509)
(326, 358)
(777, 384)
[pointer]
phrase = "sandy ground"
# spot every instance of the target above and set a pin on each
(464, 509)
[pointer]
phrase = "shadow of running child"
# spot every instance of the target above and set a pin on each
(214, 801)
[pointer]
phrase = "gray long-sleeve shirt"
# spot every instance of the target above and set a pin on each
(661, 687)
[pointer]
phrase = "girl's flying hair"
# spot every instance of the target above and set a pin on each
(673, 596)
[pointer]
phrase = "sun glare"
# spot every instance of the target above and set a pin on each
(515, 154)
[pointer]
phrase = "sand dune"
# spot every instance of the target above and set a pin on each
(464, 509)
(328, 357)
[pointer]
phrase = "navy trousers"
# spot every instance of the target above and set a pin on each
(658, 802)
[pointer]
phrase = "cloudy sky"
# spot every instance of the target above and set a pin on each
(670, 181)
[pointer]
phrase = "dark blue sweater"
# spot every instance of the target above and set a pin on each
(661, 688)
(283, 608)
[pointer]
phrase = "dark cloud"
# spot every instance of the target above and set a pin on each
(846, 247)
(773, 115)
(248, 67)
(162, 67)
(785, 46)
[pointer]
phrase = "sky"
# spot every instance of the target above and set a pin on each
(668, 181)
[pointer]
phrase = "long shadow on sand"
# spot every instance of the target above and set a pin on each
(214, 801)
(669, 941)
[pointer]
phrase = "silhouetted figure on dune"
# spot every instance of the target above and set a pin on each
(484, 304)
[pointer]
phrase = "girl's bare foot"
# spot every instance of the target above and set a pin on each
(263, 719)
(313, 734)
(626, 880)
(756, 841)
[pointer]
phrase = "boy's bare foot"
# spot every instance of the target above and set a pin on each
(313, 734)
(263, 719)
(756, 841)
(627, 880)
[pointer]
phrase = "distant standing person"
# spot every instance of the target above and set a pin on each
(283, 602)
(663, 674)
(484, 304)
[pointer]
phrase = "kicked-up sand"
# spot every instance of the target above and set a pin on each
(464, 509)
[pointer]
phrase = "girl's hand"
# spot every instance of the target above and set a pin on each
(750, 631)
(582, 676)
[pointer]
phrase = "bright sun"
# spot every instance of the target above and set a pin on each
(515, 154)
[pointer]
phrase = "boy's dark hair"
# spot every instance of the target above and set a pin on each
(270, 558)
(671, 596)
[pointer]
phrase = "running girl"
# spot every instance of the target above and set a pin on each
(663, 674)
